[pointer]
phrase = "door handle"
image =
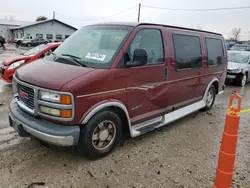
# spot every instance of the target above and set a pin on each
(166, 73)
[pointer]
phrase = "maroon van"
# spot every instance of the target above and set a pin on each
(109, 79)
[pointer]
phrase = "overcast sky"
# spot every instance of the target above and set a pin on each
(82, 12)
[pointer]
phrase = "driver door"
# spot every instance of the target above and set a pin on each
(146, 85)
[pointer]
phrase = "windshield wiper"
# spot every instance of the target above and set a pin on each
(71, 60)
(75, 59)
(72, 56)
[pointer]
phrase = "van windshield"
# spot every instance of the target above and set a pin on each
(94, 46)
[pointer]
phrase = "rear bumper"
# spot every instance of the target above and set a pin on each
(55, 134)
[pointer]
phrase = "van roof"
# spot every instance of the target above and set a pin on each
(134, 24)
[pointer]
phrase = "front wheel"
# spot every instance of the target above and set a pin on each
(241, 80)
(211, 94)
(99, 137)
(28, 45)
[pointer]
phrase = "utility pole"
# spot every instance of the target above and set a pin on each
(54, 15)
(139, 12)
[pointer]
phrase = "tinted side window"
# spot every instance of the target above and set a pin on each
(151, 40)
(188, 53)
(214, 51)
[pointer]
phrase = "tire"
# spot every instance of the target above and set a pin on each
(209, 103)
(28, 45)
(241, 80)
(1, 44)
(99, 126)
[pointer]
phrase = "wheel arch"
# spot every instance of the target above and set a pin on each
(215, 83)
(117, 107)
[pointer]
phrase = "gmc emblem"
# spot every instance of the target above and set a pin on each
(24, 94)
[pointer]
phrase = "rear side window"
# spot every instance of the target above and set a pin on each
(214, 51)
(188, 53)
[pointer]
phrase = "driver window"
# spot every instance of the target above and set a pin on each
(151, 41)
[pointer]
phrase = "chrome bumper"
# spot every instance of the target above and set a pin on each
(55, 134)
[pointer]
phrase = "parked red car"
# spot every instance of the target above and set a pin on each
(106, 80)
(9, 66)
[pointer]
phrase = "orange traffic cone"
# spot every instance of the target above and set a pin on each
(224, 173)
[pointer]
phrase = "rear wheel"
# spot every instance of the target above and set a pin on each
(241, 80)
(211, 94)
(28, 45)
(100, 135)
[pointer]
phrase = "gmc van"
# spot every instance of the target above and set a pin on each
(109, 79)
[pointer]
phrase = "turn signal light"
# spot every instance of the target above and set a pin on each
(65, 113)
(65, 99)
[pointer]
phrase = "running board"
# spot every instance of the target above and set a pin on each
(154, 123)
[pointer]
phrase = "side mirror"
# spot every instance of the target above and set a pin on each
(140, 58)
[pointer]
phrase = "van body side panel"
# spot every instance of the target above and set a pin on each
(146, 86)
(211, 72)
(98, 86)
(182, 83)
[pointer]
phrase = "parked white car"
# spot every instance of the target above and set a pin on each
(20, 40)
(238, 67)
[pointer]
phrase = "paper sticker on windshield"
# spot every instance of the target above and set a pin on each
(118, 38)
(96, 56)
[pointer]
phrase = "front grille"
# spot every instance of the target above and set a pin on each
(26, 95)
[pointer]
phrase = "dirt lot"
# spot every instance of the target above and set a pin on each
(182, 154)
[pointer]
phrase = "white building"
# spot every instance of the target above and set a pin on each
(49, 29)
(7, 25)
(52, 29)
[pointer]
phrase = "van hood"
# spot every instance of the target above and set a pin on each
(233, 66)
(49, 74)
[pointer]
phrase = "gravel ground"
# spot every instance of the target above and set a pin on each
(183, 154)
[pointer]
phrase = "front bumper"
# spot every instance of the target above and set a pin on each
(55, 134)
(231, 76)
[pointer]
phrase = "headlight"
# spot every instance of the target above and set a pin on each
(56, 112)
(239, 70)
(15, 64)
(50, 111)
(55, 97)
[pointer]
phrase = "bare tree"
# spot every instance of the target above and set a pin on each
(10, 18)
(200, 27)
(236, 34)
